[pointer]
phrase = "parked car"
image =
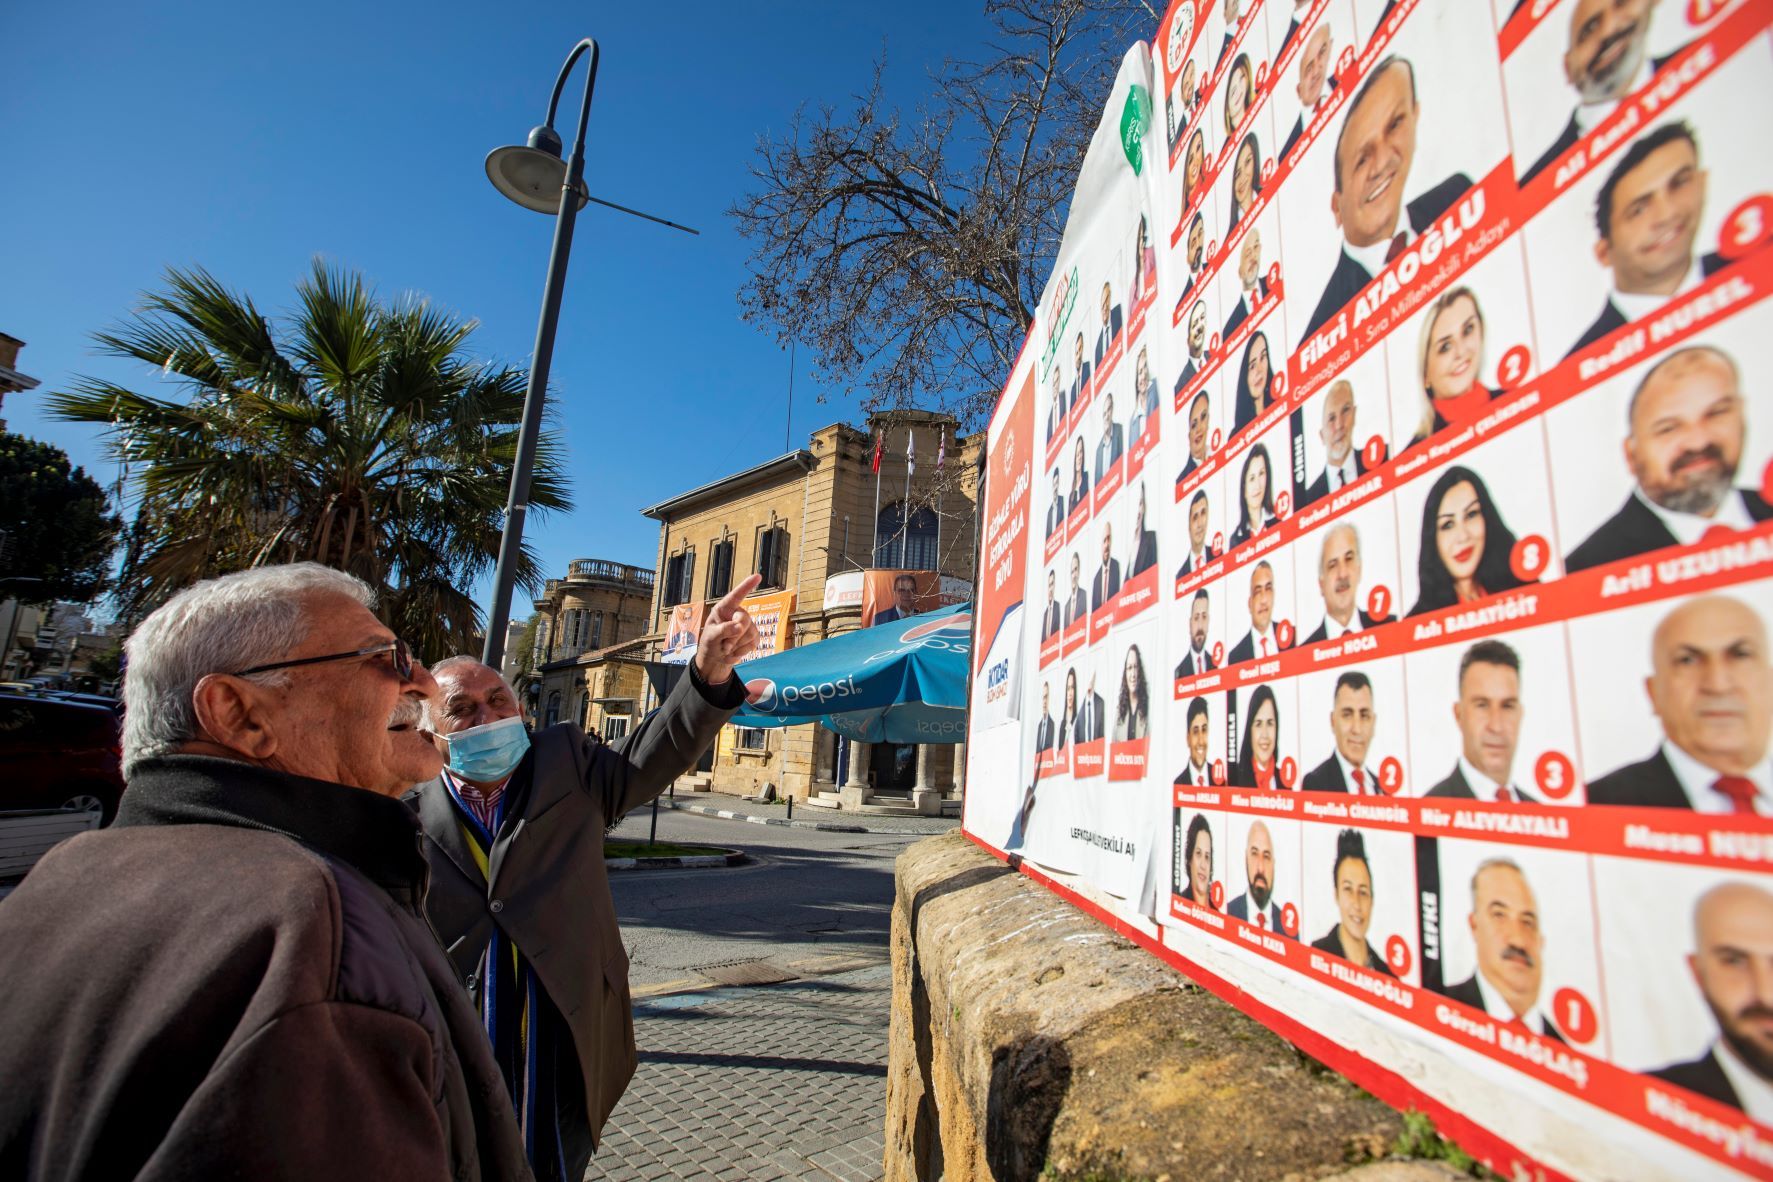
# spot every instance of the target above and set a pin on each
(103, 700)
(59, 754)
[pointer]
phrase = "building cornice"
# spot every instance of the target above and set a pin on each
(799, 459)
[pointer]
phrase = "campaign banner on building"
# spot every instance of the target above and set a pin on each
(771, 612)
(1396, 639)
(683, 632)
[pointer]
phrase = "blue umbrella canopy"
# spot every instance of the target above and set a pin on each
(901, 682)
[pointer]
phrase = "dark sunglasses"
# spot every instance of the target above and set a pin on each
(402, 659)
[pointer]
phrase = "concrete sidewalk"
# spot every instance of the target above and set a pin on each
(737, 808)
(756, 1085)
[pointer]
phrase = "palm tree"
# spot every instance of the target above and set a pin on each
(354, 432)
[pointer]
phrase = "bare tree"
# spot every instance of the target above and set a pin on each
(910, 253)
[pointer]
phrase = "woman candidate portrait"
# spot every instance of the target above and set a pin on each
(1194, 167)
(1246, 179)
(1449, 363)
(1255, 755)
(1197, 862)
(1080, 478)
(1132, 713)
(1255, 508)
(1353, 877)
(1465, 545)
(1255, 382)
(1068, 714)
(1144, 259)
(1240, 93)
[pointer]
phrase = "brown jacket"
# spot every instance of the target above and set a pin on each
(236, 981)
(550, 892)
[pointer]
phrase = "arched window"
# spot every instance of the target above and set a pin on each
(553, 715)
(906, 545)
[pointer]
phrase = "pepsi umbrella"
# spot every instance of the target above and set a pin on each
(900, 682)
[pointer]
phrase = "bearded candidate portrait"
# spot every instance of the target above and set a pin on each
(1686, 425)
(513, 832)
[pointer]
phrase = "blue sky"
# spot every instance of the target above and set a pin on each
(250, 138)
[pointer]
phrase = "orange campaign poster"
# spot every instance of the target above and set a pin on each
(889, 595)
(1383, 638)
(771, 613)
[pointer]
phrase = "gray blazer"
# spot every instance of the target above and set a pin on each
(549, 891)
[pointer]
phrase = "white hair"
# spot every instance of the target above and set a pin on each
(217, 626)
(456, 662)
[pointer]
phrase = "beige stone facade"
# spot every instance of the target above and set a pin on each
(589, 653)
(800, 519)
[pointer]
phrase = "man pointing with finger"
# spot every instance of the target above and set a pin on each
(513, 831)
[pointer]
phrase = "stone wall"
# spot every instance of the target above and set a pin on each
(1031, 1042)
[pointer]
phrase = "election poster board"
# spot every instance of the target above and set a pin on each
(1395, 558)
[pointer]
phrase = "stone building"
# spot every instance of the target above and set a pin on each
(588, 665)
(810, 521)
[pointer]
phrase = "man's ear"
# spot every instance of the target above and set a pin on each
(230, 712)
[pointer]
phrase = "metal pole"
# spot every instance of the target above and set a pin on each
(511, 542)
(788, 427)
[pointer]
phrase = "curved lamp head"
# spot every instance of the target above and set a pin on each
(532, 176)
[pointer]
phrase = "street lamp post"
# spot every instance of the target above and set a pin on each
(534, 177)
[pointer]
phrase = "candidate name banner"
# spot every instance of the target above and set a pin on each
(1399, 577)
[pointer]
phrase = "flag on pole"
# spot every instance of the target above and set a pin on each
(941, 448)
(879, 443)
(910, 458)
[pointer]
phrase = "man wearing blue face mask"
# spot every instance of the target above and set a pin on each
(513, 831)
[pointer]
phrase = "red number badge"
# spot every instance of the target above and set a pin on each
(1517, 363)
(1555, 774)
(1747, 228)
(1391, 775)
(1379, 603)
(1532, 554)
(1397, 955)
(1574, 1015)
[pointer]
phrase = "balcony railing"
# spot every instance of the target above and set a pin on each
(615, 572)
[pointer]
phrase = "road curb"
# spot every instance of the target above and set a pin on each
(730, 815)
(689, 862)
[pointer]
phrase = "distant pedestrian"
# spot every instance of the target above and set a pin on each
(530, 923)
(236, 980)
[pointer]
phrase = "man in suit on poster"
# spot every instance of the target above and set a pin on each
(1197, 249)
(904, 603)
(1200, 414)
(1647, 215)
(1057, 409)
(1111, 319)
(1711, 686)
(1194, 772)
(1374, 150)
(1113, 442)
(1197, 659)
(1300, 8)
(1077, 605)
(1510, 944)
(1233, 17)
(1056, 511)
(1351, 722)
(1106, 584)
(1343, 463)
(1339, 582)
(1607, 58)
(1256, 905)
(1260, 641)
(1197, 344)
(1488, 712)
(1249, 276)
(1051, 619)
(1685, 426)
(1044, 730)
(1091, 725)
(1315, 87)
(1080, 366)
(1732, 963)
(1200, 551)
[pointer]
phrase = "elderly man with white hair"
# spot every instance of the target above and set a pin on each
(519, 896)
(237, 978)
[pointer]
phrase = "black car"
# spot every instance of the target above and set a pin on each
(59, 754)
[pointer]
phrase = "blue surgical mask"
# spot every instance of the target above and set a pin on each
(487, 753)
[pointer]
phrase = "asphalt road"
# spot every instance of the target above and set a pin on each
(806, 903)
